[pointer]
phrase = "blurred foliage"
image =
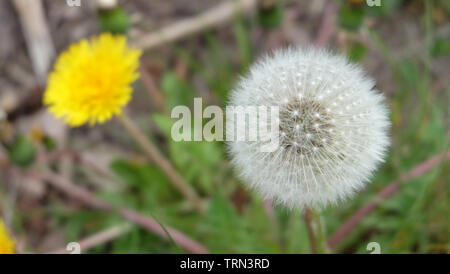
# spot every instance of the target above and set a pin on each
(440, 47)
(21, 151)
(199, 160)
(178, 91)
(116, 20)
(271, 17)
(353, 13)
(351, 17)
(357, 52)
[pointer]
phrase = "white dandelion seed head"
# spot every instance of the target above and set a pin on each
(333, 128)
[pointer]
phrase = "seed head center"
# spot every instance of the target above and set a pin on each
(305, 126)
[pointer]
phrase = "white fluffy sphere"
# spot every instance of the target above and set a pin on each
(333, 128)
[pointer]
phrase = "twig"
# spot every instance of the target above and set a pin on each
(146, 222)
(153, 91)
(175, 178)
(77, 157)
(385, 193)
(99, 238)
(327, 25)
(37, 35)
(183, 28)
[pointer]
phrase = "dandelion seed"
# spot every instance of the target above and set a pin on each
(331, 157)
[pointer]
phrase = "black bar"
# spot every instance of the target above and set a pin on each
(221, 263)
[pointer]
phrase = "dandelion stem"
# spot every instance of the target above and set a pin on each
(156, 156)
(316, 232)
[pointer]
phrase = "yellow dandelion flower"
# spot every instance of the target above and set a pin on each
(91, 81)
(6, 243)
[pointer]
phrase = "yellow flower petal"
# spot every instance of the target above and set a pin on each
(6, 243)
(91, 81)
